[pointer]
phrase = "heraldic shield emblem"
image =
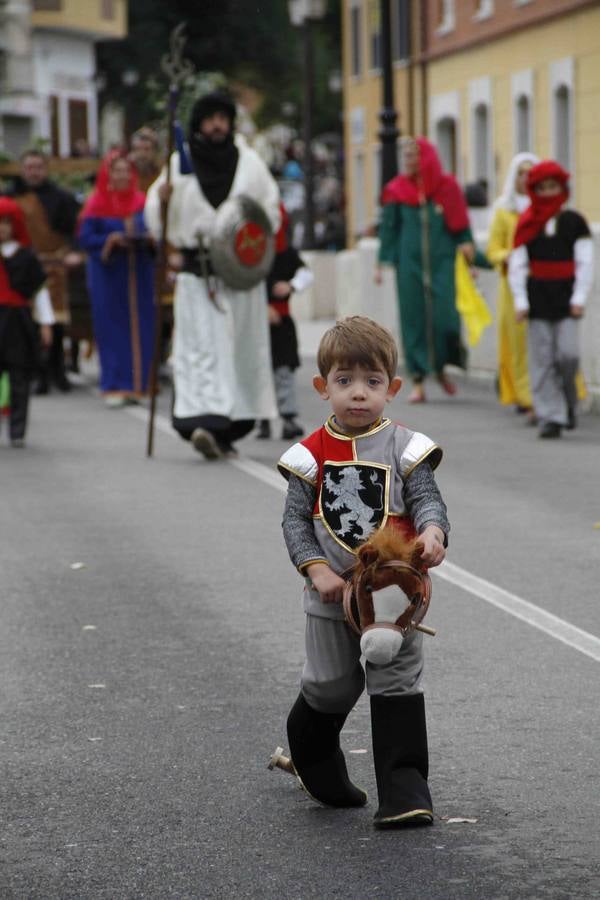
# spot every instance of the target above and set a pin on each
(242, 246)
(354, 500)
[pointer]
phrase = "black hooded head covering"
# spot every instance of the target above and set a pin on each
(214, 164)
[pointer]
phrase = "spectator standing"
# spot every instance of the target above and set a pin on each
(51, 220)
(424, 223)
(121, 280)
(513, 373)
(550, 273)
(22, 283)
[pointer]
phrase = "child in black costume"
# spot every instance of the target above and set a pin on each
(288, 275)
(22, 281)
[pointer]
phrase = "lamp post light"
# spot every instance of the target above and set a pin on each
(388, 133)
(303, 13)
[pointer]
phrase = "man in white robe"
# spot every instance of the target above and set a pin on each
(221, 350)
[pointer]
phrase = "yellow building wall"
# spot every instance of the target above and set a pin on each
(576, 35)
(84, 16)
(365, 91)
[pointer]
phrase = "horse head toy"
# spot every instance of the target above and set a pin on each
(387, 595)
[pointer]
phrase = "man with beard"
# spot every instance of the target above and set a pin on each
(221, 352)
(51, 219)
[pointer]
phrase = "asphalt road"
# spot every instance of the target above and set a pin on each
(144, 690)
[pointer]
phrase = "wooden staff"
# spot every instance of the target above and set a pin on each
(177, 69)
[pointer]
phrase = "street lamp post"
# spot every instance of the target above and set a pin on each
(304, 13)
(388, 133)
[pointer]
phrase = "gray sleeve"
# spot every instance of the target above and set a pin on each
(298, 529)
(424, 501)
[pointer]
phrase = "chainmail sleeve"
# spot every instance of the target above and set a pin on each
(298, 529)
(424, 501)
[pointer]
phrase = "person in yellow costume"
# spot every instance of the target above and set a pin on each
(513, 373)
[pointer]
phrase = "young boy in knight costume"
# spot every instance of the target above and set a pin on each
(550, 273)
(357, 473)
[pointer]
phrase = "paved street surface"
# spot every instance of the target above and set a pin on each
(144, 689)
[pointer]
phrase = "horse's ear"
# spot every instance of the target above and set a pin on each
(367, 555)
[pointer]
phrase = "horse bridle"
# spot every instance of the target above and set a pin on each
(359, 588)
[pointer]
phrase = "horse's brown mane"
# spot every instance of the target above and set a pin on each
(390, 543)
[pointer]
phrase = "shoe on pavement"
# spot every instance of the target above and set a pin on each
(571, 420)
(114, 401)
(227, 450)
(550, 430)
(63, 384)
(291, 429)
(41, 389)
(17, 442)
(417, 395)
(205, 443)
(447, 386)
(264, 430)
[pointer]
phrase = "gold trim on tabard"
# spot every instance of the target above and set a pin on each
(342, 436)
(386, 497)
(281, 466)
(310, 562)
(424, 456)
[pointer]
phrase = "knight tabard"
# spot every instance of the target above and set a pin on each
(359, 482)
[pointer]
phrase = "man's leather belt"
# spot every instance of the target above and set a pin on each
(195, 263)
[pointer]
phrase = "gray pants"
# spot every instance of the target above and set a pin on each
(333, 678)
(553, 364)
(285, 391)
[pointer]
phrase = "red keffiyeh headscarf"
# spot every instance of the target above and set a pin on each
(430, 183)
(105, 201)
(10, 209)
(532, 221)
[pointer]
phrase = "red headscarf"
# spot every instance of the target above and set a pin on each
(430, 183)
(105, 201)
(541, 209)
(13, 211)
(281, 238)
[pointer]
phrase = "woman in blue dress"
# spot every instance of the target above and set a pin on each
(120, 279)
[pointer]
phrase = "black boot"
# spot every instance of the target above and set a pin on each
(264, 430)
(56, 360)
(291, 428)
(314, 739)
(401, 760)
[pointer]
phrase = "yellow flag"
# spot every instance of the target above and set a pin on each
(471, 305)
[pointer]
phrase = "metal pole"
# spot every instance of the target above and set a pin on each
(388, 133)
(309, 211)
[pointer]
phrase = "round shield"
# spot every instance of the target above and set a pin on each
(243, 245)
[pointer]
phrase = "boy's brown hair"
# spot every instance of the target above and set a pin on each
(357, 340)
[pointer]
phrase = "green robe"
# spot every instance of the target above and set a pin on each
(428, 317)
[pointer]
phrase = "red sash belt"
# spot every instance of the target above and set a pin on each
(282, 307)
(552, 271)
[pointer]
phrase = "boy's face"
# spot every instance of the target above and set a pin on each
(6, 229)
(549, 187)
(357, 396)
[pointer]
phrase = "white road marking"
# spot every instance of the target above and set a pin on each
(528, 612)
(533, 615)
